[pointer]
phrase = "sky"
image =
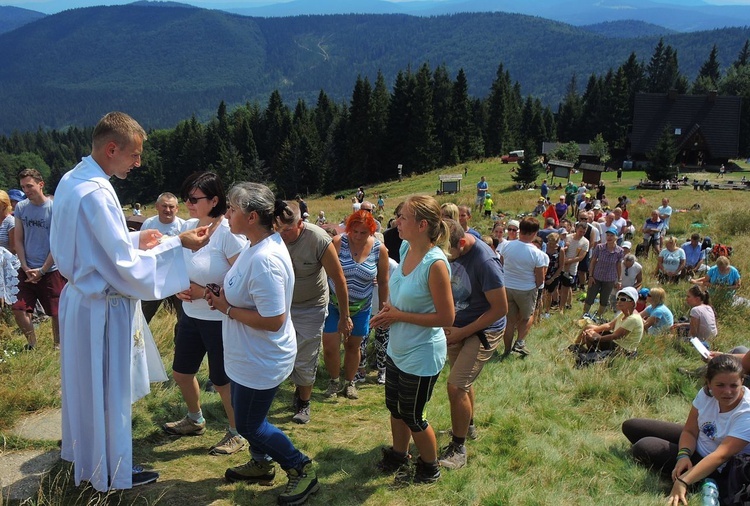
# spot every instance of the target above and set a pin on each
(53, 6)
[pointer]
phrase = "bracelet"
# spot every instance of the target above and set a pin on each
(682, 481)
(682, 456)
(229, 310)
(41, 271)
(685, 451)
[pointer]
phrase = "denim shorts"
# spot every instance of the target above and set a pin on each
(361, 321)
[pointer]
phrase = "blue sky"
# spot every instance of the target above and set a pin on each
(52, 6)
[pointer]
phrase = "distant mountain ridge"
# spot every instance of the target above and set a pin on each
(627, 29)
(172, 61)
(14, 17)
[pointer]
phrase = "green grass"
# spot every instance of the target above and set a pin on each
(549, 433)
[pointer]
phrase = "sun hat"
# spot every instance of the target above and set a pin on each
(513, 223)
(630, 293)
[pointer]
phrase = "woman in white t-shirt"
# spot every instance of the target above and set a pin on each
(717, 429)
(199, 332)
(260, 342)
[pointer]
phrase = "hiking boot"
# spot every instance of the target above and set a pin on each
(351, 390)
(228, 445)
(333, 389)
(253, 471)
(520, 349)
(404, 475)
(381, 376)
(185, 427)
(302, 483)
(426, 473)
(302, 415)
(392, 461)
(141, 477)
(453, 456)
(210, 387)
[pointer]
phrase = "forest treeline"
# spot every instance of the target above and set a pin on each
(174, 62)
(426, 120)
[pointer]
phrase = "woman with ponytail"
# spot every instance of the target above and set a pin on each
(259, 339)
(421, 304)
(702, 316)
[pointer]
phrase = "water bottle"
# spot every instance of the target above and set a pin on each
(709, 493)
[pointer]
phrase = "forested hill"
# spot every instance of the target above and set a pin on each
(163, 64)
(13, 17)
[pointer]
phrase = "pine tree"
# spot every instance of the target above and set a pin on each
(529, 167)
(662, 157)
(744, 56)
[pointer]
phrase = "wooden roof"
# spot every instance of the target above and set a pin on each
(716, 118)
(561, 163)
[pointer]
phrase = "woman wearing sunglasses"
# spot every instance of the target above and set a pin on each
(621, 334)
(199, 332)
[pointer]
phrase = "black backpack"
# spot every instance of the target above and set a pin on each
(736, 481)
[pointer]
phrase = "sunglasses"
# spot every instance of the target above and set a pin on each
(512, 230)
(194, 200)
(368, 210)
(624, 299)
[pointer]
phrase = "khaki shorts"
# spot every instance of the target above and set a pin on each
(521, 302)
(308, 323)
(468, 357)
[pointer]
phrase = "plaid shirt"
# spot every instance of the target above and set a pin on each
(606, 262)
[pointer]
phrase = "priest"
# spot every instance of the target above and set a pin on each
(108, 270)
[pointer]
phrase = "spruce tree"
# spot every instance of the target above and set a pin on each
(662, 157)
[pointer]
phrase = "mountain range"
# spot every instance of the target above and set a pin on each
(677, 15)
(164, 62)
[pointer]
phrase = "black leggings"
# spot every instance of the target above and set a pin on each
(655, 443)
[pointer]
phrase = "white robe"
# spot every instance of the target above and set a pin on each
(106, 275)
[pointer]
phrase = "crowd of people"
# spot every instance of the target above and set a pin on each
(260, 291)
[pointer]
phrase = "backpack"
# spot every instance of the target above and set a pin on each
(720, 250)
(706, 244)
(736, 481)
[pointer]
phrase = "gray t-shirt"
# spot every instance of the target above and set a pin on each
(36, 222)
(472, 274)
(310, 284)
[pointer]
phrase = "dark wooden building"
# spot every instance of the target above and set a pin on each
(706, 128)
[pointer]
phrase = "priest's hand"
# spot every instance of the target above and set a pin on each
(196, 238)
(149, 238)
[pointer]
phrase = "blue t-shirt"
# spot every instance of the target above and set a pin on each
(36, 224)
(717, 278)
(414, 349)
(473, 273)
(693, 255)
(664, 318)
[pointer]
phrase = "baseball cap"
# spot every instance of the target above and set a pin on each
(562, 197)
(630, 293)
(627, 244)
(513, 223)
(643, 293)
(611, 230)
(16, 195)
(541, 199)
(597, 206)
(562, 230)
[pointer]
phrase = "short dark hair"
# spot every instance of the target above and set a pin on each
(528, 225)
(210, 184)
(32, 173)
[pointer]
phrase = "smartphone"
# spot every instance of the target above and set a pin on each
(214, 288)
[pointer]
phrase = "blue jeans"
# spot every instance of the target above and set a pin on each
(251, 408)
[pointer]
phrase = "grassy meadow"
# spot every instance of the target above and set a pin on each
(548, 433)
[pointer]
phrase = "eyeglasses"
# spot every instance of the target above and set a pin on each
(624, 299)
(194, 200)
(363, 209)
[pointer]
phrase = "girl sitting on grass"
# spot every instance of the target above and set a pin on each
(717, 429)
